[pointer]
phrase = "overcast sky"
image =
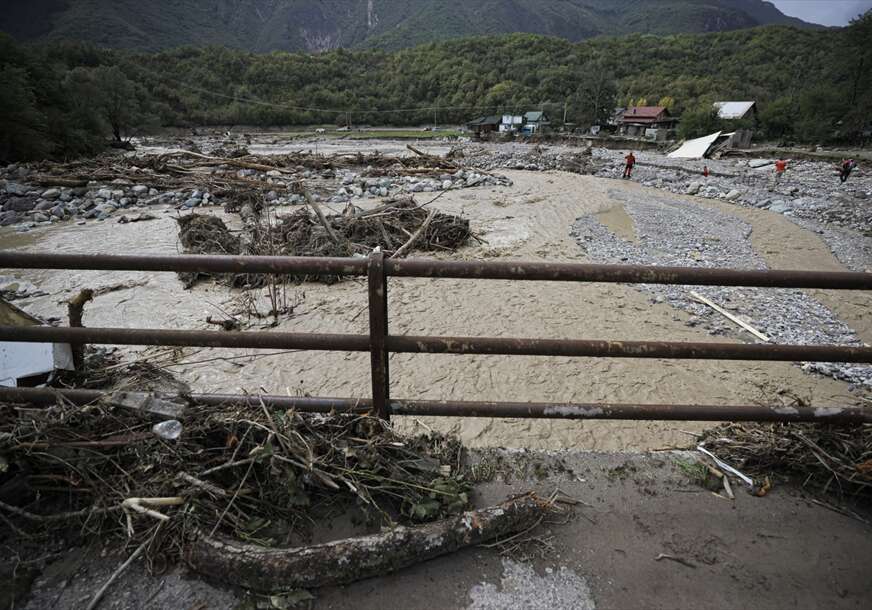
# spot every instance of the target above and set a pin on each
(825, 12)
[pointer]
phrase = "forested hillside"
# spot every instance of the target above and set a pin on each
(812, 85)
(322, 25)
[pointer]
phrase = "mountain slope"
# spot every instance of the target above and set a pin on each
(320, 25)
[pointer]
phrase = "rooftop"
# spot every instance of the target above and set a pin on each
(733, 110)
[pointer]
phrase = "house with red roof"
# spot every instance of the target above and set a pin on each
(637, 119)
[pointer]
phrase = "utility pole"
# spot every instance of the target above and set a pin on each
(565, 110)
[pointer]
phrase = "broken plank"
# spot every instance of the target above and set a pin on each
(701, 299)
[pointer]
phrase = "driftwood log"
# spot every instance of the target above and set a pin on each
(345, 561)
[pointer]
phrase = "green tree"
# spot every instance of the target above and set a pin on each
(777, 118)
(597, 91)
(699, 121)
(22, 125)
(124, 103)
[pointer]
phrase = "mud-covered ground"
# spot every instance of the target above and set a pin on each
(642, 536)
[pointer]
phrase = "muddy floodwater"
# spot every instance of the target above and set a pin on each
(531, 220)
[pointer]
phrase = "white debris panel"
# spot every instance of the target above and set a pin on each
(695, 149)
(20, 360)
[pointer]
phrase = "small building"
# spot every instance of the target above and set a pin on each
(733, 111)
(535, 122)
(637, 119)
(511, 123)
(484, 125)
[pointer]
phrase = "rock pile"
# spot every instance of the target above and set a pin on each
(28, 205)
(360, 185)
(526, 157)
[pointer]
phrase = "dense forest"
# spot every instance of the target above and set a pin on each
(67, 99)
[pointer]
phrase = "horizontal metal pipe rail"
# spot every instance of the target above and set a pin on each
(380, 343)
(440, 345)
(186, 338)
(522, 410)
(496, 270)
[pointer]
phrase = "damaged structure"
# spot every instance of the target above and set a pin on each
(712, 144)
(28, 364)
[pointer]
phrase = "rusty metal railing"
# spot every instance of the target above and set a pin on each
(380, 343)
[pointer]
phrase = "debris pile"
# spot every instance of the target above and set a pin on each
(96, 189)
(242, 472)
(832, 459)
(399, 225)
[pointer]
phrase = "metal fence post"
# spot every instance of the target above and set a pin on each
(378, 332)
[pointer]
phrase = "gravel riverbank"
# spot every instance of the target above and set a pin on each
(669, 231)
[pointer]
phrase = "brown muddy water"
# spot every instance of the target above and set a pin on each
(530, 220)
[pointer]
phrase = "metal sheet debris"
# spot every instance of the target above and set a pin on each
(695, 149)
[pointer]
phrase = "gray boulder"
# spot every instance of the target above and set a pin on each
(693, 188)
(8, 218)
(51, 194)
(20, 204)
(734, 194)
(40, 217)
(15, 188)
(779, 207)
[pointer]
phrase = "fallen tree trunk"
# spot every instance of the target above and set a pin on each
(58, 181)
(224, 161)
(345, 561)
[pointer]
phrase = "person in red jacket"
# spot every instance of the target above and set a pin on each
(780, 167)
(628, 168)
